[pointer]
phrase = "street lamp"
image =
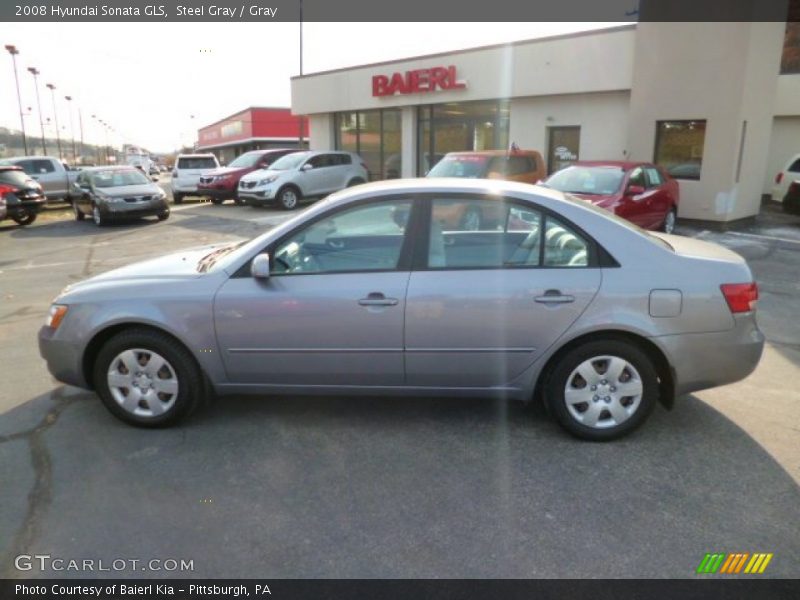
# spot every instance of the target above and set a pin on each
(12, 50)
(52, 89)
(35, 72)
(71, 128)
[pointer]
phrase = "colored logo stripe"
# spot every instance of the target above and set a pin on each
(734, 562)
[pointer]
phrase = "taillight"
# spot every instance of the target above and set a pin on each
(6, 189)
(779, 177)
(741, 297)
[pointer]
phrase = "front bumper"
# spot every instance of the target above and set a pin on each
(257, 197)
(131, 210)
(705, 360)
(63, 358)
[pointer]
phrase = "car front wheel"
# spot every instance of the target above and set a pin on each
(669, 221)
(97, 216)
(147, 379)
(602, 390)
(288, 198)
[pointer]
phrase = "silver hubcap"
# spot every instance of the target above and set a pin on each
(142, 382)
(289, 199)
(603, 392)
(96, 215)
(669, 222)
(472, 221)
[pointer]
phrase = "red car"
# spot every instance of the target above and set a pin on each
(640, 192)
(223, 183)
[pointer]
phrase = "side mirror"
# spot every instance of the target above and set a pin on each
(307, 167)
(635, 190)
(259, 268)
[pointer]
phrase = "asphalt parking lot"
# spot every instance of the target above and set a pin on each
(377, 487)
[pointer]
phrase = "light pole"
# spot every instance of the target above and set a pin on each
(35, 72)
(52, 89)
(71, 128)
(80, 124)
(12, 50)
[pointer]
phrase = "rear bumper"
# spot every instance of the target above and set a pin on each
(184, 188)
(706, 360)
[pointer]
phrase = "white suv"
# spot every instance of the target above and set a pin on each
(785, 178)
(187, 172)
(301, 175)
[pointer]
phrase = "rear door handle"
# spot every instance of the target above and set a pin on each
(378, 299)
(554, 297)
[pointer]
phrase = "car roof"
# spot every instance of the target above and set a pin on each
(493, 153)
(625, 165)
(201, 155)
(110, 168)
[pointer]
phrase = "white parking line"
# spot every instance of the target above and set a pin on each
(763, 237)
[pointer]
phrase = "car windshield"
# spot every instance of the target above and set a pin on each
(290, 161)
(18, 178)
(460, 165)
(578, 179)
(245, 161)
(118, 178)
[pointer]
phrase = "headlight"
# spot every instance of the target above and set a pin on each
(221, 177)
(56, 315)
(160, 196)
(269, 179)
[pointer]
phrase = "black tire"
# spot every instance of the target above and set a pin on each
(24, 218)
(356, 181)
(163, 216)
(556, 384)
(177, 198)
(668, 226)
(97, 217)
(191, 388)
(79, 216)
(289, 197)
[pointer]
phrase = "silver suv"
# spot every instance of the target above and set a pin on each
(301, 175)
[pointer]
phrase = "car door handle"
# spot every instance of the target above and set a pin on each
(378, 299)
(554, 297)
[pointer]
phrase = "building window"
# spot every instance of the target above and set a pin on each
(790, 58)
(375, 136)
(460, 126)
(679, 147)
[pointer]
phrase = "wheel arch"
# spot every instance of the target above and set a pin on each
(666, 374)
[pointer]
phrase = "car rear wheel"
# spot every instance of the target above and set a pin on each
(79, 216)
(289, 198)
(163, 216)
(177, 198)
(24, 217)
(147, 379)
(97, 216)
(669, 221)
(603, 389)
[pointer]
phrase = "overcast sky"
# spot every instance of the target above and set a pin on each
(147, 79)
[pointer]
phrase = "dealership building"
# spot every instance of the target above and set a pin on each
(254, 128)
(717, 104)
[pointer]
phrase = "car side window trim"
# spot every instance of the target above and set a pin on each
(407, 249)
(598, 257)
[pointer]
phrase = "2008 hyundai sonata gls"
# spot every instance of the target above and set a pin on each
(376, 290)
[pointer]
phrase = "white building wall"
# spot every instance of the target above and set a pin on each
(320, 132)
(602, 117)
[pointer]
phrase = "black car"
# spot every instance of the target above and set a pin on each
(21, 197)
(791, 201)
(108, 193)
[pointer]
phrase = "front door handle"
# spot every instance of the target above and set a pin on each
(378, 299)
(554, 297)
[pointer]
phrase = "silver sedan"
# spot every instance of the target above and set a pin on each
(381, 290)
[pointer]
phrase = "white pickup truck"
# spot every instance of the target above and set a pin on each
(55, 177)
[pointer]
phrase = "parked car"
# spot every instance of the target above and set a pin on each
(687, 170)
(791, 201)
(223, 183)
(785, 177)
(154, 170)
(640, 192)
(123, 192)
(524, 166)
(21, 197)
(55, 177)
(565, 304)
(302, 176)
(187, 172)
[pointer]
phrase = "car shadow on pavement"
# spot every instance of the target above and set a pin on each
(377, 487)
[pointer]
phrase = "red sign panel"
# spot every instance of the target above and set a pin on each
(416, 82)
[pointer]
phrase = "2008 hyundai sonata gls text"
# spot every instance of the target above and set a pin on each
(376, 291)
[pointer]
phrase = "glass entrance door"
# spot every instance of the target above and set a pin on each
(563, 148)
